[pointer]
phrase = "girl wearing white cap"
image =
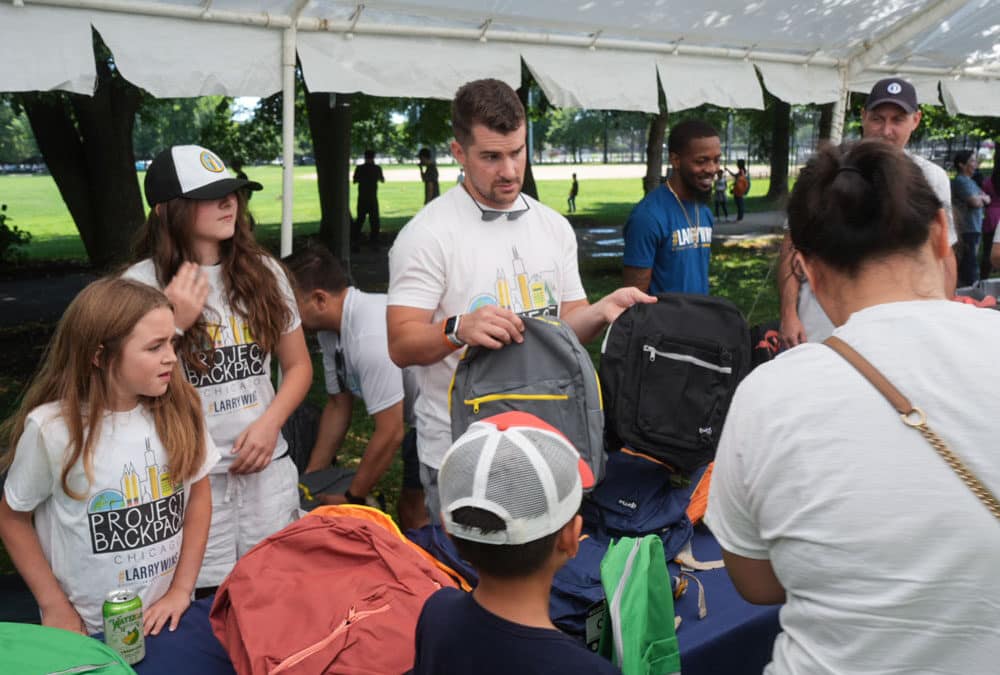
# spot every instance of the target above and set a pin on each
(233, 307)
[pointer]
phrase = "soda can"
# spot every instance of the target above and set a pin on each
(123, 625)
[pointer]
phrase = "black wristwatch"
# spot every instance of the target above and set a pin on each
(351, 499)
(451, 331)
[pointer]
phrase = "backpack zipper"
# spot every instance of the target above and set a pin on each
(475, 402)
(693, 360)
(352, 618)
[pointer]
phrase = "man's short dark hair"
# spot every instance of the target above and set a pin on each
(502, 561)
(425, 153)
(369, 154)
(682, 134)
(314, 267)
(489, 102)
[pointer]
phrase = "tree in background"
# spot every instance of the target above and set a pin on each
(535, 104)
(654, 142)
(780, 116)
(17, 144)
(330, 117)
(86, 142)
(426, 123)
(163, 122)
(958, 131)
(575, 130)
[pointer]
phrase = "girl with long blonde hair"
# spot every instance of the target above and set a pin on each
(235, 307)
(107, 474)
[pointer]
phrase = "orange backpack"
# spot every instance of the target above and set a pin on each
(741, 186)
(338, 591)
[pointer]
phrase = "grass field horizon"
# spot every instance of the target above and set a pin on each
(35, 205)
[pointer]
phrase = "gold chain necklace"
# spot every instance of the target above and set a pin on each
(697, 215)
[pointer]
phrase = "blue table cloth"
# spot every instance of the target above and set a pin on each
(734, 638)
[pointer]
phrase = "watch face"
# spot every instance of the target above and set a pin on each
(449, 325)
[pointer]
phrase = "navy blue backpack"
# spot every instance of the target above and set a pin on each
(641, 495)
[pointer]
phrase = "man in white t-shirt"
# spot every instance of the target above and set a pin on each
(892, 114)
(351, 330)
(471, 263)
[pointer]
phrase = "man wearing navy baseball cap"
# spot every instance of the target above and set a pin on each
(892, 114)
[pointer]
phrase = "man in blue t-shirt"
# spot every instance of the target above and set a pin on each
(668, 235)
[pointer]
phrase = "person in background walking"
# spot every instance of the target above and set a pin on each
(720, 194)
(429, 174)
(574, 190)
(991, 186)
(968, 201)
(741, 186)
(367, 176)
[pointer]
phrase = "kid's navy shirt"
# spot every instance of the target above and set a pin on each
(455, 636)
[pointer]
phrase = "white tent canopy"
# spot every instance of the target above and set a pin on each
(587, 53)
(428, 47)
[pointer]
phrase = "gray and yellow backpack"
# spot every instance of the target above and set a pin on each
(550, 375)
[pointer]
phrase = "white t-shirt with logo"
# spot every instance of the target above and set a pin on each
(449, 260)
(888, 559)
(364, 368)
(127, 530)
(237, 388)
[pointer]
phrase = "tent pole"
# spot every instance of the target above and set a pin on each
(287, 137)
(840, 109)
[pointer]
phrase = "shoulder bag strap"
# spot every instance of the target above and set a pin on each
(914, 417)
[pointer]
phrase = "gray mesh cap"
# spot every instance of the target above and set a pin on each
(518, 468)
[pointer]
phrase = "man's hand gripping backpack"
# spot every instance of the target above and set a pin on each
(549, 375)
(668, 373)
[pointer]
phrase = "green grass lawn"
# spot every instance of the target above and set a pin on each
(35, 205)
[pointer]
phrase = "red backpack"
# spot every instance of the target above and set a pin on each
(338, 591)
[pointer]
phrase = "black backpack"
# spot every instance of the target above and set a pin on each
(668, 372)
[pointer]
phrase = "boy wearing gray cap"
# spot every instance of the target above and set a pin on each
(510, 488)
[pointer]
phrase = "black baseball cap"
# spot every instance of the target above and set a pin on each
(893, 90)
(190, 171)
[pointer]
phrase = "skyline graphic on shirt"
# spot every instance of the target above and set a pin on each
(136, 486)
(521, 291)
(134, 523)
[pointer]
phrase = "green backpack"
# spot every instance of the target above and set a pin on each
(27, 649)
(639, 635)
